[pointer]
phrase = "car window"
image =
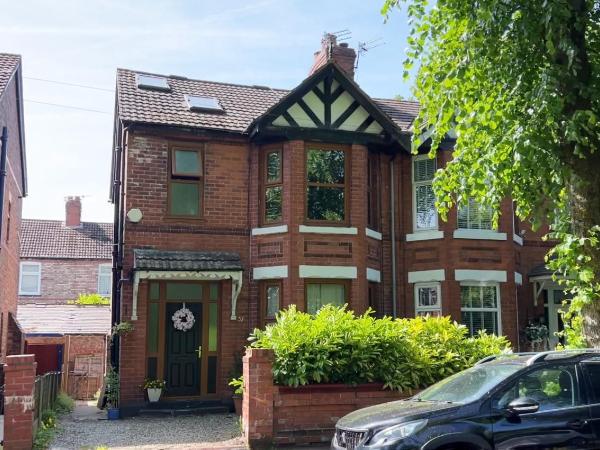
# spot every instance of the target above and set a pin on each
(593, 371)
(553, 387)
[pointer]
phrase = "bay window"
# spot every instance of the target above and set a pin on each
(325, 292)
(428, 299)
(480, 308)
(425, 214)
(326, 184)
(272, 182)
(474, 216)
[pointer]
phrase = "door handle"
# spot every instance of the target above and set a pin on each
(199, 351)
(577, 424)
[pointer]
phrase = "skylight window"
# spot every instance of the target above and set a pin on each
(152, 83)
(200, 103)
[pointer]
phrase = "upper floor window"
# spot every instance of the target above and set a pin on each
(326, 184)
(474, 216)
(325, 292)
(185, 182)
(30, 278)
(424, 212)
(373, 191)
(105, 279)
(272, 181)
(480, 308)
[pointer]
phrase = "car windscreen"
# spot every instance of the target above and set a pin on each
(470, 384)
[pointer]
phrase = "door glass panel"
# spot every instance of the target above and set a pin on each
(214, 292)
(153, 327)
(212, 327)
(154, 291)
(184, 291)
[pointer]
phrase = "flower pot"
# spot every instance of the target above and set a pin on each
(113, 414)
(154, 394)
(237, 404)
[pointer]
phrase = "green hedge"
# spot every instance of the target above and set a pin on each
(336, 346)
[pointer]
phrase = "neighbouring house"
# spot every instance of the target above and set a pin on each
(71, 339)
(13, 188)
(233, 202)
(61, 260)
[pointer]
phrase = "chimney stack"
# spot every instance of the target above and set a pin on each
(341, 54)
(73, 212)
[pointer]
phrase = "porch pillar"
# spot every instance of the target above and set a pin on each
(257, 409)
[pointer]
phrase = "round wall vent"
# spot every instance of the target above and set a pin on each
(134, 215)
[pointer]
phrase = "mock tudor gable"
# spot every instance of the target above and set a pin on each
(329, 102)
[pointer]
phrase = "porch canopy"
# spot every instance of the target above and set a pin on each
(187, 265)
(541, 277)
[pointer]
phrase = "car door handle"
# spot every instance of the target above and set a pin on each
(577, 424)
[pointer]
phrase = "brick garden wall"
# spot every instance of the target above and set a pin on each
(19, 378)
(304, 415)
(64, 279)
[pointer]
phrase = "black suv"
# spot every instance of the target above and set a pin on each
(527, 401)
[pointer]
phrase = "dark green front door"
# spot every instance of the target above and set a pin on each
(182, 368)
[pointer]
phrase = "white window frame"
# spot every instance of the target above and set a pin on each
(100, 275)
(497, 309)
(416, 184)
(39, 277)
(428, 309)
(468, 208)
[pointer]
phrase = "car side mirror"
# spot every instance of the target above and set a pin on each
(522, 405)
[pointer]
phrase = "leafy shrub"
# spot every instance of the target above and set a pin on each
(64, 404)
(336, 346)
(90, 299)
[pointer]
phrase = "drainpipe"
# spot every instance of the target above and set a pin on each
(116, 253)
(3, 157)
(393, 236)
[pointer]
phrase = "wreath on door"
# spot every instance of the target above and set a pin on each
(183, 319)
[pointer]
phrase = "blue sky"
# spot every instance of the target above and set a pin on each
(266, 42)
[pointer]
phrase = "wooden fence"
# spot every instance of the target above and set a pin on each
(45, 391)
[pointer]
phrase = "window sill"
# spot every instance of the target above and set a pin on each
(425, 235)
(29, 294)
(373, 234)
(269, 230)
(479, 234)
(328, 230)
(518, 239)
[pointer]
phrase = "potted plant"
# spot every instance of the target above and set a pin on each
(238, 391)
(154, 389)
(111, 383)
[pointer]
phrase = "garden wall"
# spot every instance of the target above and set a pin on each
(303, 415)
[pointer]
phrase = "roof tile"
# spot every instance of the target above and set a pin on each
(52, 239)
(8, 65)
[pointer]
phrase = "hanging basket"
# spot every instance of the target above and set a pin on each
(183, 319)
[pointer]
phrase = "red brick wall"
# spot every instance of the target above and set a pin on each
(302, 415)
(19, 373)
(9, 250)
(64, 279)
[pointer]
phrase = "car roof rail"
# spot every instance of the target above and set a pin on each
(559, 354)
(503, 355)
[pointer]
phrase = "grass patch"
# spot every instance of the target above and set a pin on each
(49, 421)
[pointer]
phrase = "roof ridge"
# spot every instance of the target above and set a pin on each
(62, 221)
(184, 78)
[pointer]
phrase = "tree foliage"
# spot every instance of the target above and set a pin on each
(518, 84)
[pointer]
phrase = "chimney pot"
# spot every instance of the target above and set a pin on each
(73, 212)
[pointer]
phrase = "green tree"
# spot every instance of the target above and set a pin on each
(517, 83)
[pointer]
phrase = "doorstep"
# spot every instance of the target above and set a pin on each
(183, 407)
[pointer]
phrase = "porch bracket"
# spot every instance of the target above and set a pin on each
(235, 276)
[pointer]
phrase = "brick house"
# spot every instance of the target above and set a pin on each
(60, 260)
(236, 201)
(13, 188)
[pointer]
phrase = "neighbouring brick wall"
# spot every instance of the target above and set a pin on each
(303, 415)
(10, 236)
(19, 379)
(64, 279)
